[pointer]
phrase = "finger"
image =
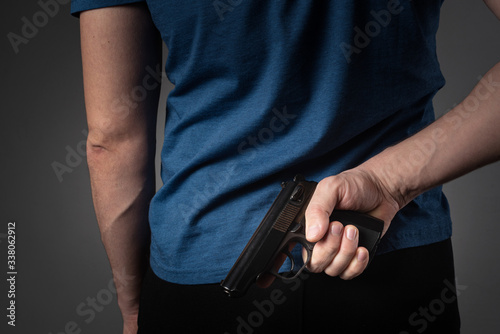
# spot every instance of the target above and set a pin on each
(348, 248)
(317, 220)
(325, 250)
(319, 210)
(357, 265)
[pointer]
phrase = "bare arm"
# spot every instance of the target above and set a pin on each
(465, 139)
(118, 44)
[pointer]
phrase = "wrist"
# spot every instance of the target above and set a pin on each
(395, 174)
(130, 323)
(128, 300)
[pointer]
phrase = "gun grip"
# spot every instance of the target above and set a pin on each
(370, 228)
(284, 223)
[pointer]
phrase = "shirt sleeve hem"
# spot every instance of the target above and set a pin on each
(78, 6)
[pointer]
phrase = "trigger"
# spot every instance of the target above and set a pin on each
(295, 227)
(290, 257)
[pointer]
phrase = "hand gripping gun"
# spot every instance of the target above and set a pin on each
(283, 225)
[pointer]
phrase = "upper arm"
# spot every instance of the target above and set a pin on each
(494, 6)
(119, 45)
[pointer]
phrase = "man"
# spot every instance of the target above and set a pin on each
(265, 90)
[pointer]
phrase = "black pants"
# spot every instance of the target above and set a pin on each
(406, 291)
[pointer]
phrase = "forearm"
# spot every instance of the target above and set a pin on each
(119, 44)
(121, 191)
(464, 139)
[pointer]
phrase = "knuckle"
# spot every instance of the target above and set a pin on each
(321, 258)
(314, 210)
(331, 247)
(314, 267)
(336, 267)
(348, 250)
(332, 271)
(355, 269)
(329, 182)
(348, 276)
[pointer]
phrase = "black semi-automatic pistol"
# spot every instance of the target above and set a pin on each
(284, 224)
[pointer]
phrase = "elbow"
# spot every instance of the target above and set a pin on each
(120, 140)
(104, 137)
(110, 141)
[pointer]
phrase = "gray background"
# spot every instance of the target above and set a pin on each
(61, 263)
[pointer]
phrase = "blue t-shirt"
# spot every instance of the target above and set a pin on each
(268, 89)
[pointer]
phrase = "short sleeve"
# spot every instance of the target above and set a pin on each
(78, 6)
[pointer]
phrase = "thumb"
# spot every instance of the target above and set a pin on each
(319, 210)
(317, 220)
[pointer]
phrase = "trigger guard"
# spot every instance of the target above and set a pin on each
(290, 257)
(308, 247)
